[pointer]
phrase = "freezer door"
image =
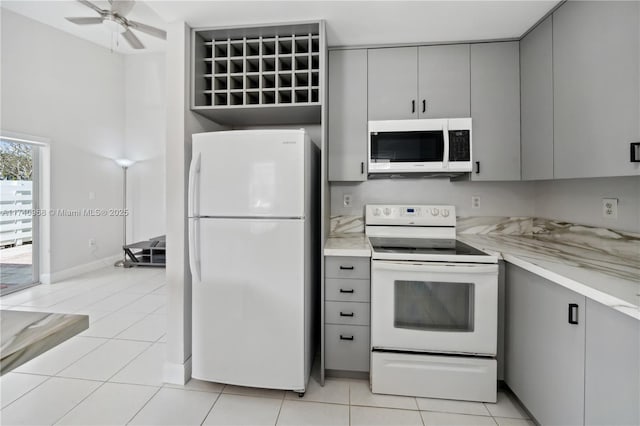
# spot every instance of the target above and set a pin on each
(248, 302)
(252, 173)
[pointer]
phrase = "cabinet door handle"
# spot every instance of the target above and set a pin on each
(362, 168)
(343, 290)
(424, 105)
(477, 167)
(413, 106)
(346, 268)
(573, 313)
(635, 152)
(343, 337)
(346, 314)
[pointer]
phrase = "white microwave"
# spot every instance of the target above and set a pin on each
(420, 146)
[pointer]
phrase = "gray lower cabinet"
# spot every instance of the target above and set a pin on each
(495, 109)
(348, 115)
(392, 83)
(347, 314)
(565, 373)
(596, 77)
(544, 364)
(443, 81)
(612, 367)
(536, 102)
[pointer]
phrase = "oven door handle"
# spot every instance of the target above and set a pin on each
(425, 267)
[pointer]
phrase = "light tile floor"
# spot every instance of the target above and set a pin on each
(112, 373)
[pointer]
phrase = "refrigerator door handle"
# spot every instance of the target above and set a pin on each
(194, 169)
(194, 247)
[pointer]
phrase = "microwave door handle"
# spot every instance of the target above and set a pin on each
(445, 159)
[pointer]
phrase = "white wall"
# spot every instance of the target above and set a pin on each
(145, 136)
(496, 198)
(181, 124)
(69, 90)
(580, 201)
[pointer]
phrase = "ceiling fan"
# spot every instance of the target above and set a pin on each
(115, 20)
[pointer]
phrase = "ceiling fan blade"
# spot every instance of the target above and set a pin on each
(121, 7)
(85, 21)
(148, 29)
(132, 40)
(92, 6)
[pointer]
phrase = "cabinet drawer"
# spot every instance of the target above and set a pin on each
(347, 347)
(347, 267)
(348, 313)
(342, 290)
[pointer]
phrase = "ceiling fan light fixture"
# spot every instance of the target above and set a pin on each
(114, 25)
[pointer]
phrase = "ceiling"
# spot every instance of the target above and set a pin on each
(53, 13)
(349, 23)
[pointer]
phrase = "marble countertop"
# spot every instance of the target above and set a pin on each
(610, 278)
(25, 335)
(347, 244)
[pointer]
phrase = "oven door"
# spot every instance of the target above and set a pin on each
(434, 307)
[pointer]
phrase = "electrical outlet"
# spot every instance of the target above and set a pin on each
(92, 195)
(346, 200)
(610, 208)
(475, 202)
(92, 242)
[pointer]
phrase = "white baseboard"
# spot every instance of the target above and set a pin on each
(177, 374)
(80, 269)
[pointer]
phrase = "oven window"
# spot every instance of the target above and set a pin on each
(407, 147)
(433, 306)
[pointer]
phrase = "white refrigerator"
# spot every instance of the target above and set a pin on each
(253, 252)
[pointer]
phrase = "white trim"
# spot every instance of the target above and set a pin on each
(177, 374)
(80, 269)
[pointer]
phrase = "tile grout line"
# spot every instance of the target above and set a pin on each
(79, 402)
(280, 409)
(211, 408)
(143, 405)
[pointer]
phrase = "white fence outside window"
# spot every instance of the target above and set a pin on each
(15, 218)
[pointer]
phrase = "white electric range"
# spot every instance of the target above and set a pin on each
(434, 306)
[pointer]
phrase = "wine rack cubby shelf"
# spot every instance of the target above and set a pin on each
(249, 75)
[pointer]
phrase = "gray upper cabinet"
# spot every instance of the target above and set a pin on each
(596, 48)
(536, 102)
(444, 81)
(545, 358)
(495, 109)
(612, 367)
(348, 115)
(393, 79)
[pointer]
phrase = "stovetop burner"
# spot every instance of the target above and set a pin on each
(431, 246)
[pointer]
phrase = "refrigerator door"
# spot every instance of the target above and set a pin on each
(248, 173)
(248, 302)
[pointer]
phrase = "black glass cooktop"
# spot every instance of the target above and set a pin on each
(423, 246)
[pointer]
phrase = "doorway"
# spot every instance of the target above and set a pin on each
(19, 212)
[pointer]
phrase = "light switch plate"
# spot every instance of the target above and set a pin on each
(610, 208)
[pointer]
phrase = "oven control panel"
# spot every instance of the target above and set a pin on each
(410, 215)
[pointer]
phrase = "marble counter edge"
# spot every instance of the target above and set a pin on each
(347, 244)
(584, 289)
(71, 325)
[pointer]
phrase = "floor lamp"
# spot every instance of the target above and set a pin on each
(125, 164)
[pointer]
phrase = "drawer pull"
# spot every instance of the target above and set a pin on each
(342, 290)
(342, 337)
(346, 268)
(346, 314)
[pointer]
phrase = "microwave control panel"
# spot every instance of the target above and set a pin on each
(459, 145)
